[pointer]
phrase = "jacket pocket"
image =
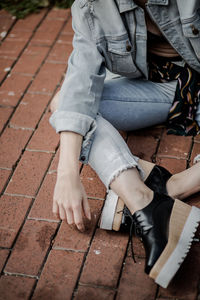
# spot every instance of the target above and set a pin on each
(121, 54)
(191, 31)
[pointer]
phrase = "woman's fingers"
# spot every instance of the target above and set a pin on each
(78, 219)
(62, 212)
(70, 217)
(86, 207)
(55, 208)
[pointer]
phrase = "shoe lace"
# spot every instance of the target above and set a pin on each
(133, 227)
(137, 227)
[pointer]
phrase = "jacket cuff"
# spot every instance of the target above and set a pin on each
(71, 121)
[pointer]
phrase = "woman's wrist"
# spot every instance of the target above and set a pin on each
(70, 147)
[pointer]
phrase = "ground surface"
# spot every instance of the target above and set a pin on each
(41, 257)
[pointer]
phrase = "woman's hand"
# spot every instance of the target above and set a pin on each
(70, 200)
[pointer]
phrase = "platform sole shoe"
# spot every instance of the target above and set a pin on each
(183, 224)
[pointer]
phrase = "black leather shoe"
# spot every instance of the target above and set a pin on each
(166, 228)
(156, 181)
(150, 224)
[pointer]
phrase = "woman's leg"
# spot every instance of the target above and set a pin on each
(117, 167)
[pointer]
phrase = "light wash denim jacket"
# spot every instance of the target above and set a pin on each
(111, 34)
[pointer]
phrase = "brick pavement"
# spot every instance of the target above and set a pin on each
(41, 257)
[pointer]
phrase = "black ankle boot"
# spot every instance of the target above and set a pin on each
(156, 181)
(166, 228)
(150, 224)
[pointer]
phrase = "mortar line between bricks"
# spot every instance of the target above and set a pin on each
(190, 153)
(39, 93)
(17, 161)
(20, 275)
(11, 27)
(23, 150)
(3, 168)
(36, 150)
(157, 291)
(171, 156)
(36, 73)
(86, 254)
(20, 127)
(19, 195)
(105, 287)
(67, 249)
(27, 212)
(16, 236)
(4, 248)
(153, 157)
(122, 268)
(198, 290)
(25, 46)
(45, 220)
(44, 261)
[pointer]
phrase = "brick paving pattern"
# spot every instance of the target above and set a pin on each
(40, 256)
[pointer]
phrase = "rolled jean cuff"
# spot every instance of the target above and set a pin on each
(118, 166)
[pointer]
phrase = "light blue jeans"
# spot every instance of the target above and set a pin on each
(126, 104)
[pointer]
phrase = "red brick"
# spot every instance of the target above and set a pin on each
(31, 108)
(42, 207)
(143, 143)
(12, 143)
(138, 248)
(3, 257)
(69, 237)
(17, 35)
(45, 137)
(13, 88)
(59, 13)
(15, 288)
(6, 21)
(47, 33)
(59, 276)
(185, 283)
(135, 282)
(195, 152)
(30, 60)
(60, 52)
(86, 293)
(197, 138)
(12, 214)
(29, 173)
(49, 76)
(4, 175)
(5, 66)
(5, 112)
(54, 164)
(105, 258)
(68, 27)
(31, 247)
(10, 49)
(65, 39)
(30, 22)
(42, 39)
(173, 165)
(174, 146)
(93, 185)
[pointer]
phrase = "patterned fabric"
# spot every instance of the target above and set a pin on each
(181, 118)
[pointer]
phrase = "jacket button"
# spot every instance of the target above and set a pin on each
(83, 158)
(195, 31)
(128, 47)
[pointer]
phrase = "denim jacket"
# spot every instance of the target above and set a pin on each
(111, 34)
